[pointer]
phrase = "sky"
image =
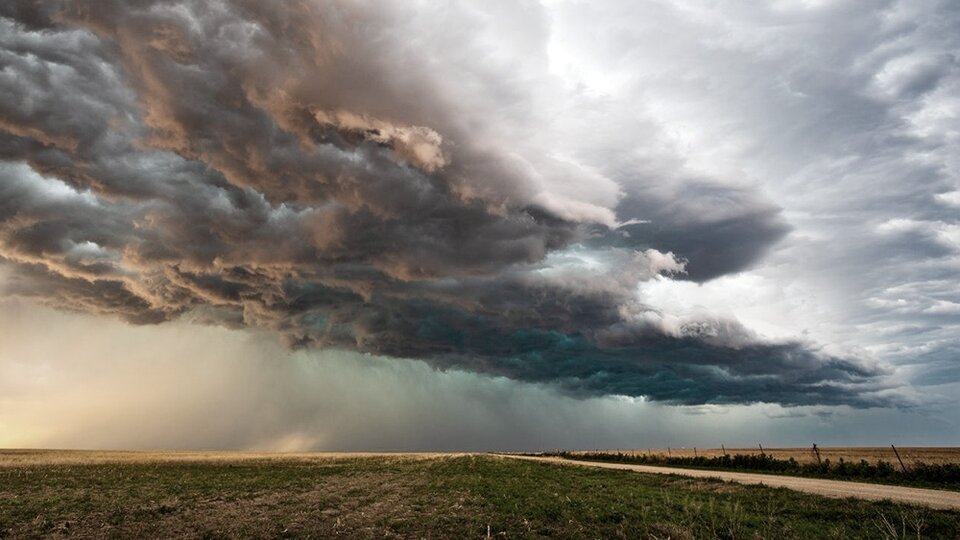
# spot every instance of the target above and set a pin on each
(385, 225)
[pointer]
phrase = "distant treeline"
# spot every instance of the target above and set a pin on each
(920, 474)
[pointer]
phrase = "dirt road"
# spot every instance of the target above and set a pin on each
(830, 488)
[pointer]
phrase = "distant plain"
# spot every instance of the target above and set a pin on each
(79, 494)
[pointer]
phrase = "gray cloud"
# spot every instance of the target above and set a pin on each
(719, 229)
(844, 112)
(316, 172)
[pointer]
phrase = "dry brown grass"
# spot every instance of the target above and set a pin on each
(910, 454)
(27, 457)
(9, 458)
(122, 494)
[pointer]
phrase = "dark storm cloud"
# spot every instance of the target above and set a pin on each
(718, 229)
(34, 14)
(301, 169)
(684, 370)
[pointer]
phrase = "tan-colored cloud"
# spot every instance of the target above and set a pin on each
(419, 145)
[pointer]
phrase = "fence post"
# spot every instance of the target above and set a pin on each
(902, 467)
(761, 449)
(724, 449)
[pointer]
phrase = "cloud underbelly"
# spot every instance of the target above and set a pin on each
(299, 173)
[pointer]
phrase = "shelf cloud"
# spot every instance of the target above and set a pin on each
(346, 175)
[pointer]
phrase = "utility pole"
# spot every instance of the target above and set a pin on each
(902, 467)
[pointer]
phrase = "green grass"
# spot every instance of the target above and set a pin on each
(937, 476)
(449, 497)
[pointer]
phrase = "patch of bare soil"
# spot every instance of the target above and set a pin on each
(356, 505)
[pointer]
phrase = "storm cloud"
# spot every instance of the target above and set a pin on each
(369, 176)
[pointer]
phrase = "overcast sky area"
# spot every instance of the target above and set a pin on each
(375, 225)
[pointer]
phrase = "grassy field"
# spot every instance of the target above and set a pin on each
(102, 495)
